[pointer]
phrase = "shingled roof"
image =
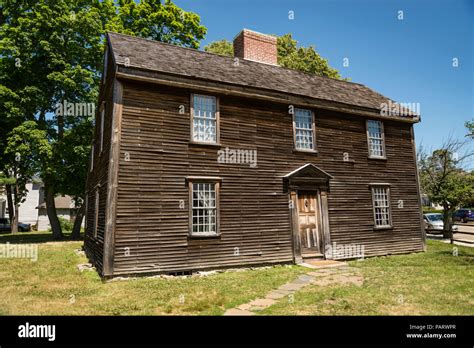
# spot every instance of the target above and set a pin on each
(152, 55)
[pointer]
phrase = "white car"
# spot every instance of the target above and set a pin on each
(434, 222)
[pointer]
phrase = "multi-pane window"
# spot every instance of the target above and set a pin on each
(375, 138)
(381, 202)
(96, 213)
(204, 208)
(204, 119)
(304, 130)
(102, 117)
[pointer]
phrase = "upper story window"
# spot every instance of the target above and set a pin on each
(303, 124)
(204, 212)
(381, 205)
(376, 139)
(204, 119)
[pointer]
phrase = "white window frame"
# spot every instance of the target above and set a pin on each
(381, 139)
(376, 204)
(216, 119)
(192, 207)
(295, 130)
(102, 117)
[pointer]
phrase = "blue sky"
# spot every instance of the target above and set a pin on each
(409, 60)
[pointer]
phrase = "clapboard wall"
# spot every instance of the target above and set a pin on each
(151, 226)
(98, 175)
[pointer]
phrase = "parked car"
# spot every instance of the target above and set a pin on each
(434, 222)
(6, 226)
(464, 215)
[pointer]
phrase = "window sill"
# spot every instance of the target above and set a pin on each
(382, 228)
(199, 144)
(304, 151)
(204, 236)
(377, 158)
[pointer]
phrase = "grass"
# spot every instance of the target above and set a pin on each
(427, 210)
(435, 282)
(54, 286)
(432, 283)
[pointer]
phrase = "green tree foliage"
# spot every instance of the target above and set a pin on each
(52, 51)
(289, 56)
(159, 21)
(221, 47)
(470, 128)
(303, 58)
(28, 151)
(445, 182)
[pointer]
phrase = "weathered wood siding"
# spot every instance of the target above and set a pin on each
(151, 232)
(98, 178)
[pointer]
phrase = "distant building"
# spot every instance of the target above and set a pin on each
(33, 209)
(426, 202)
(65, 209)
(27, 211)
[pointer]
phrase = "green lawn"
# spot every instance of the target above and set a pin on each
(54, 286)
(435, 282)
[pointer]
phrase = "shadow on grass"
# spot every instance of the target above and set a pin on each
(449, 253)
(34, 237)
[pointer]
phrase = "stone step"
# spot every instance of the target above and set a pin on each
(318, 264)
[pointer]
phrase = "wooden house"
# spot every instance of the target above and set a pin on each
(202, 161)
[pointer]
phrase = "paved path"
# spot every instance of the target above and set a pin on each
(323, 273)
(464, 236)
(465, 233)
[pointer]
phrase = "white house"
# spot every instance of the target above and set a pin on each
(27, 211)
(33, 209)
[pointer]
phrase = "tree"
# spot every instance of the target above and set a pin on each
(470, 128)
(52, 52)
(159, 21)
(221, 47)
(32, 151)
(445, 182)
(72, 172)
(303, 58)
(6, 184)
(289, 56)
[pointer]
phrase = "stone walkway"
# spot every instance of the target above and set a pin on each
(323, 273)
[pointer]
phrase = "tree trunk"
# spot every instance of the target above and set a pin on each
(451, 224)
(14, 222)
(51, 211)
(448, 223)
(446, 227)
(11, 208)
(76, 229)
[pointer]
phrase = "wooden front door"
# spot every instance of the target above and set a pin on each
(310, 239)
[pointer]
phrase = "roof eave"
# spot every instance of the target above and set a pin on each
(132, 73)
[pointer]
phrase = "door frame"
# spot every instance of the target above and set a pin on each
(322, 217)
(317, 215)
(311, 178)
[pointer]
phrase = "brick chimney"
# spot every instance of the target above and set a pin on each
(255, 46)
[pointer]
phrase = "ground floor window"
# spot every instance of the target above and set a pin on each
(381, 205)
(204, 195)
(96, 213)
